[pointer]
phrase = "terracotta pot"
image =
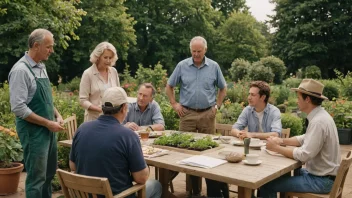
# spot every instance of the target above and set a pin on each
(10, 178)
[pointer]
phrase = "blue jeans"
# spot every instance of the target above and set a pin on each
(304, 182)
(153, 189)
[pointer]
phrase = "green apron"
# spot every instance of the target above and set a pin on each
(39, 144)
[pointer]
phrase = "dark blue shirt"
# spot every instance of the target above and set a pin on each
(105, 148)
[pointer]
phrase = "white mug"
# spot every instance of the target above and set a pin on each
(252, 158)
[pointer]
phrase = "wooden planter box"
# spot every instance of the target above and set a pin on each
(188, 151)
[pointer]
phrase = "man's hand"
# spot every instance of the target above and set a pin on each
(179, 109)
(272, 143)
(133, 126)
(54, 126)
(60, 121)
(244, 134)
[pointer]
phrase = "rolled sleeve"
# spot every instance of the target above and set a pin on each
(276, 125)
(242, 120)
(157, 116)
(84, 91)
(19, 83)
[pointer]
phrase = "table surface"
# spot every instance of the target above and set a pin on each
(245, 176)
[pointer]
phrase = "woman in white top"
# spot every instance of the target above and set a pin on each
(97, 78)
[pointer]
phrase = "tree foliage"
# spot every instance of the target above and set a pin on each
(228, 6)
(239, 37)
(314, 32)
(277, 66)
(239, 69)
(20, 17)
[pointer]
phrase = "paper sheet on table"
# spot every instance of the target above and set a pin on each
(149, 151)
(202, 161)
(273, 152)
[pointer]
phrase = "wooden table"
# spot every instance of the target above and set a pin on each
(244, 176)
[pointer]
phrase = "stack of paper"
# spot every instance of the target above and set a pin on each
(202, 161)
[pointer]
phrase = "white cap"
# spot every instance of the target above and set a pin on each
(114, 95)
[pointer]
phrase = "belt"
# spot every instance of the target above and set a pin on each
(197, 110)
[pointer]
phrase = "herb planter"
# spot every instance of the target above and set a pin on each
(10, 178)
(345, 136)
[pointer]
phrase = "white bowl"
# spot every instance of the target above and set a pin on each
(225, 139)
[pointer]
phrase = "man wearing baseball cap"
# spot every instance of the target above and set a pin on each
(318, 148)
(105, 148)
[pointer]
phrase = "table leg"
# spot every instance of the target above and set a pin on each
(244, 192)
(164, 179)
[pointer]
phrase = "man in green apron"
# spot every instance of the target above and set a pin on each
(32, 103)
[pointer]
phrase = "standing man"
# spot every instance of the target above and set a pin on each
(114, 151)
(262, 119)
(146, 111)
(32, 103)
(198, 77)
(318, 148)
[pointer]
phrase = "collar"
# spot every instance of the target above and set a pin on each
(31, 62)
(95, 69)
(136, 107)
(206, 62)
(266, 109)
(311, 115)
(109, 118)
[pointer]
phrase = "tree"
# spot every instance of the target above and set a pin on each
(105, 21)
(239, 69)
(228, 6)
(20, 17)
(239, 37)
(313, 32)
(164, 29)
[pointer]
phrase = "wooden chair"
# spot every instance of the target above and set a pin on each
(224, 129)
(80, 186)
(337, 188)
(71, 126)
(285, 133)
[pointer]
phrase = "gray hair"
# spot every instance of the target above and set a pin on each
(99, 50)
(37, 36)
(198, 38)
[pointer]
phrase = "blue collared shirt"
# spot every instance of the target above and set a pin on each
(198, 86)
(23, 85)
(271, 120)
(151, 115)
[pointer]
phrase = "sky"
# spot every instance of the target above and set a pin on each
(260, 8)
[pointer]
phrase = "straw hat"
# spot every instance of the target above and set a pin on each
(311, 87)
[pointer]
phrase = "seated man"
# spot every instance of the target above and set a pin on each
(262, 119)
(105, 148)
(146, 111)
(318, 148)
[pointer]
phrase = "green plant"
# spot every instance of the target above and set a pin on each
(157, 76)
(341, 111)
(229, 113)
(277, 66)
(259, 72)
(7, 117)
(293, 122)
(170, 116)
(313, 72)
(238, 92)
(239, 69)
(331, 90)
(10, 148)
(346, 83)
(292, 82)
(203, 144)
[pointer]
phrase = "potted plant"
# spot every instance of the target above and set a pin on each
(10, 153)
(341, 111)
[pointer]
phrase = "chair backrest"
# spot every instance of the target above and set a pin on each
(71, 126)
(224, 129)
(341, 175)
(285, 133)
(76, 185)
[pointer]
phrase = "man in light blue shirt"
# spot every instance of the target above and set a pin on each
(202, 91)
(262, 119)
(146, 111)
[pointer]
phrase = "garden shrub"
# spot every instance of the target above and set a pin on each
(259, 72)
(71, 86)
(7, 117)
(282, 108)
(229, 113)
(277, 67)
(346, 83)
(238, 92)
(312, 72)
(170, 116)
(239, 69)
(280, 94)
(292, 82)
(128, 82)
(289, 120)
(331, 90)
(156, 76)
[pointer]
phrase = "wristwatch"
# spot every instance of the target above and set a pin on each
(216, 107)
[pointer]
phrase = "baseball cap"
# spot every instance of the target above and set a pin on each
(116, 96)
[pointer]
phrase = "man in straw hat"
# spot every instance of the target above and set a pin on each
(318, 148)
(114, 151)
